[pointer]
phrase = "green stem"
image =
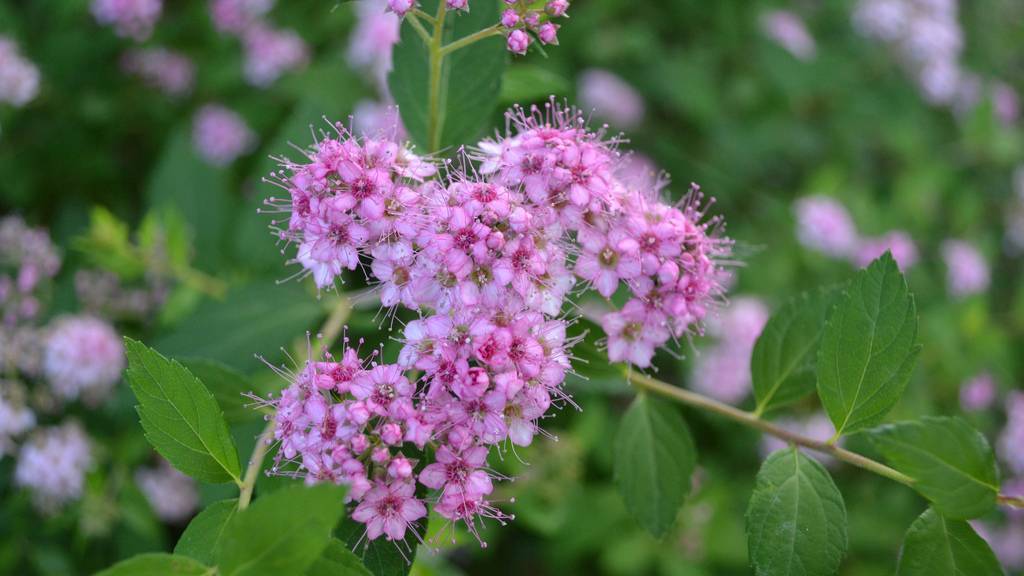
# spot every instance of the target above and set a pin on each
(255, 464)
(418, 27)
(434, 120)
(753, 420)
(331, 329)
(471, 39)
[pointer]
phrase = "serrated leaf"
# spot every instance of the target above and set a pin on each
(936, 546)
(253, 319)
(868, 349)
(951, 463)
(654, 459)
(782, 364)
(380, 557)
(470, 78)
(180, 416)
(201, 538)
(158, 565)
(338, 560)
(281, 533)
(796, 520)
(228, 386)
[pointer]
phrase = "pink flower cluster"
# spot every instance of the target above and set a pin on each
(84, 358)
(611, 98)
(52, 465)
(373, 39)
(171, 72)
(173, 496)
(236, 16)
(130, 18)
(19, 78)
(269, 52)
(488, 256)
(16, 418)
(978, 393)
(722, 370)
(788, 30)
(28, 260)
(967, 273)
(220, 135)
(824, 225)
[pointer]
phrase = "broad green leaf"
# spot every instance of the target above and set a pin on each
(951, 463)
(254, 319)
(654, 459)
(202, 537)
(158, 565)
(380, 557)
(796, 521)
(281, 533)
(936, 546)
(180, 416)
(227, 385)
(198, 191)
(470, 78)
(524, 83)
(782, 364)
(868, 349)
(338, 560)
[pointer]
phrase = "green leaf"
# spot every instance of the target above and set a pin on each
(951, 463)
(796, 521)
(180, 416)
(198, 191)
(936, 546)
(470, 78)
(158, 565)
(868, 349)
(202, 537)
(281, 533)
(784, 357)
(228, 386)
(654, 459)
(380, 557)
(524, 83)
(253, 319)
(338, 560)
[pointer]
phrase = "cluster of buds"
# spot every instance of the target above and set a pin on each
(487, 256)
(522, 20)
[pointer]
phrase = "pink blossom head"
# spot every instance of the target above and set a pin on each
(84, 357)
(978, 393)
(28, 261)
(236, 16)
(824, 225)
(16, 418)
(967, 273)
(271, 53)
(220, 135)
(401, 7)
(374, 37)
(173, 496)
(898, 242)
(170, 72)
(130, 18)
(1006, 102)
(722, 370)
(610, 97)
(19, 78)
(788, 31)
(52, 465)
(1009, 442)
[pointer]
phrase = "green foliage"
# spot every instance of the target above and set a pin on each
(470, 78)
(796, 521)
(158, 565)
(654, 459)
(338, 560)
(228, 386)
(202, 537)
(180, 416)
(782, 364)
(951, 463)
(524, 83)
(936, 546)
(868, 349)
(281, 533)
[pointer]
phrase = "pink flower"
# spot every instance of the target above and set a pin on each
(610, 97)
(130, 18)
(84, 357)
(236, 16)
(401, 7)
(634, 333)
(509, 18)
(457, 5)
(518, 42)
(978, 393)
(722, 371)
(52, 464)
(548, 33)
(270, 53)
(172, 495)
(19, 78)
(824, 225)
(788, 30)
(373, 39)
(170, 72)
(220, 135)
(898, 242)
(967, 272)
(389, 509)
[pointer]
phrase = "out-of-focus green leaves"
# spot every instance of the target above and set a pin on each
(158, 565)
(936, 546)
(180, 416)
(868, 349)
(796, 521)
(228, 386)
(784, 357)
(202, 537)
(281, 533)
(338, 560)
(951, 463)
(654, 459)
(524, 83)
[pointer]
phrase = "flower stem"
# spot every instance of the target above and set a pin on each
(331, 329)
(434, 119)
(753, 420)
(255, 464)
(494, 30)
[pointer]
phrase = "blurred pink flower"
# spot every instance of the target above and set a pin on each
(373, 118)
(170, 72)
(270, 53)
(220, 135)
(902, 246)
(1006, 102)
(52, 465)
(610, 97)
(373, 38)
(130, 18)
(789, 31)
(824, 225)
(19, 78)
(1011, 438)
(172, 495)
(978, 393)
(967, 272)
(236, 16)
(816, 426)
(83, 358)
(722, 370)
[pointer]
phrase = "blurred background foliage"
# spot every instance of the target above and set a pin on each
(725, 107)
